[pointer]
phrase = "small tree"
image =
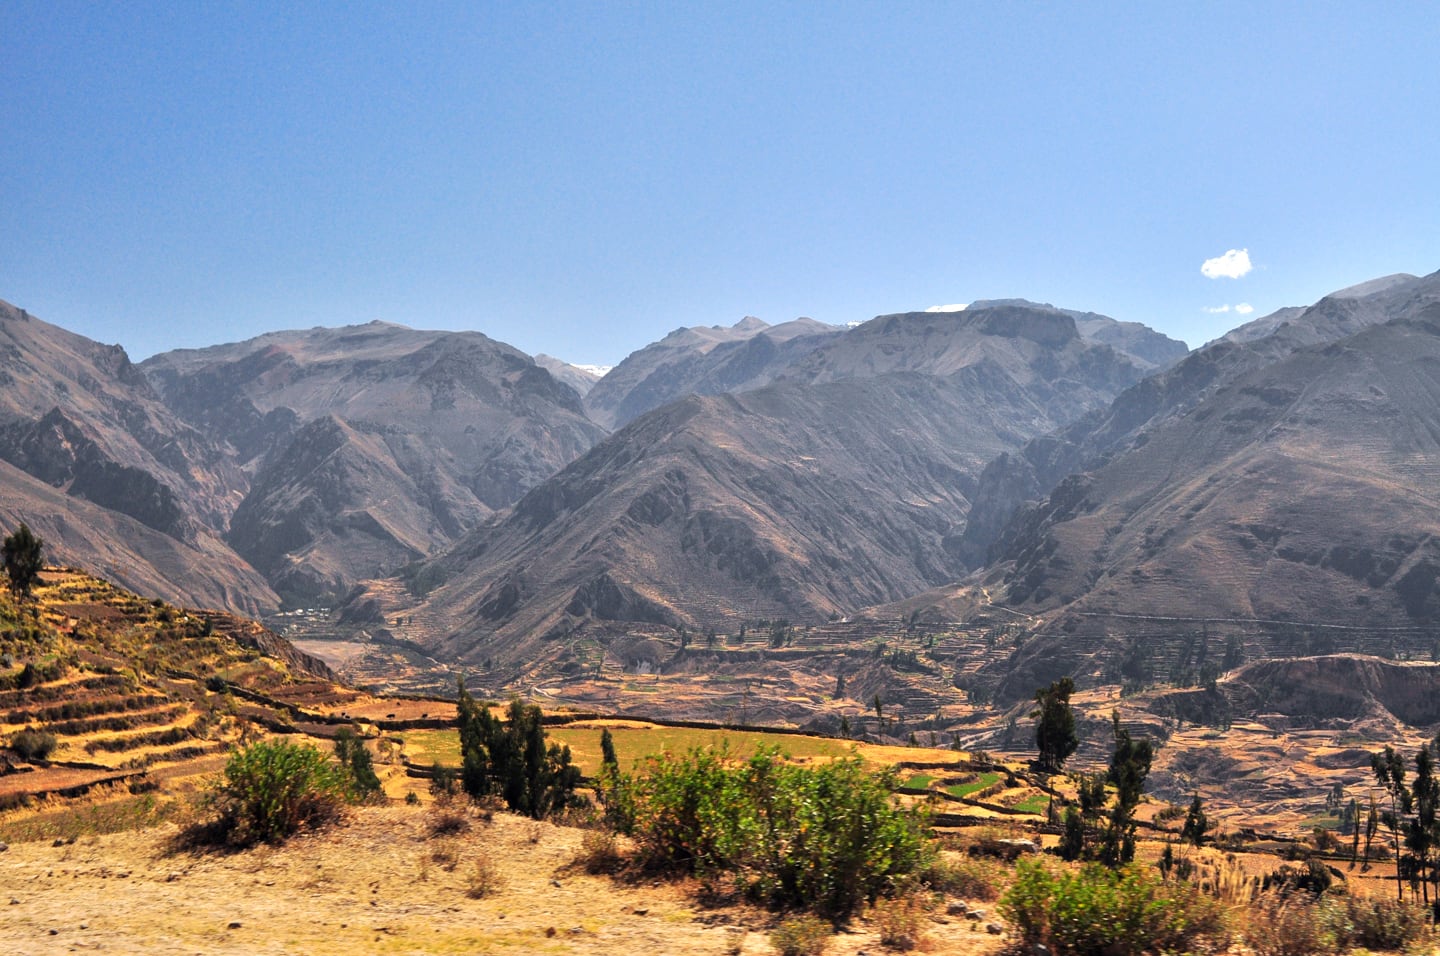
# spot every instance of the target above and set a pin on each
(1072, 841)
(1129, 766)
(354, 756)
(1389, 768)
(1055, 735)
(1193, 832)
(1420, 835)
(608, 759)
(1372, 826)
(22, 556)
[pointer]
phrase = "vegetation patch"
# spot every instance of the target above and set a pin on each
(825, 838)
(272, 790)
(1096, 911)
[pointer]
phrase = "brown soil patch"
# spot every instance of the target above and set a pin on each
(55, 780)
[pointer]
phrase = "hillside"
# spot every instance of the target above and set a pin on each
(133, 693)
(111, 477)
(1032, 472)
(1302, 493)
(701, 361)
(368, 447)
(837, 488)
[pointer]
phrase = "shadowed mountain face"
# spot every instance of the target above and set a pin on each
(109, 476)
(370, 446)
(839, 487)
(1304, 491)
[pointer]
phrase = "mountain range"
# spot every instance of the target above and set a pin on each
(1057, 464)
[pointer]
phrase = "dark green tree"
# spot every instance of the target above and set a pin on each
(1055, 735)
(354, 756)
(22, 555)
(608, 759)
(1372, 826)
(1389, 769)
(1129, 766)
(1072, 841)
(1092, 795)
(477, 728)
(1420, 834)
(1193, 832)
(512, 759)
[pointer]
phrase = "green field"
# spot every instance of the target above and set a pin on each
(1035, 803)
(921, 781)
(974, 786)
(424, 747)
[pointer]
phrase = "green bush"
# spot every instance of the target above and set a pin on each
(1096, 910)
(33, 744)
(824, 838)
(274, 788)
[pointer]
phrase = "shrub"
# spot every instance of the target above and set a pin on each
(1381, 923)
(33, 744)
(1294, 924)
(445, 853)
(598, 852)
(447, 818)
(1096, 911)
(272, 789)
(801, 936)
(484, 877)
(901, 922)
(825, 838)
(969, 877)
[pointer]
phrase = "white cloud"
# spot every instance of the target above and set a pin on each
(1232, 265)
(1244, 308)
(961, 307)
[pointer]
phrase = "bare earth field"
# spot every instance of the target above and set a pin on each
(378, 884)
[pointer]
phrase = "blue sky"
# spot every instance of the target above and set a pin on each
(579, 178)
